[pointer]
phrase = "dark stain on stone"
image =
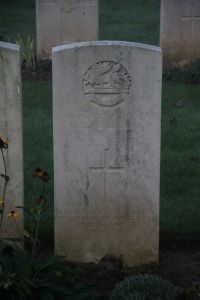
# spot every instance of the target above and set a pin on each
(85, 193)
(86, 200)
(118, 122)
(87, 185)
(128, 137)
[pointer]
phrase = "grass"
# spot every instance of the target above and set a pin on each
(180, 159)
(38, 140)
(17, 16)
(131, 20)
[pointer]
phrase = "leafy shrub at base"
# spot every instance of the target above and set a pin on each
(144, 287)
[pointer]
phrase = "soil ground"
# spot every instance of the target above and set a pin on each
(179, 263)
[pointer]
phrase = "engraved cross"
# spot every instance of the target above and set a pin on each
(106, 169)
(191, 18)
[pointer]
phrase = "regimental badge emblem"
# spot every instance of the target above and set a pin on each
(68, 5)
(106, 83)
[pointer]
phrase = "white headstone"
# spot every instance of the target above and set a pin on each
(64, 21)
(11, 128)
(179, 31)
(106, 114)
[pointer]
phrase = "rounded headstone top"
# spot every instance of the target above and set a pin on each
(9, 46)
(105, 43)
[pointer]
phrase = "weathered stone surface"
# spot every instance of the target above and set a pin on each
(11, 128)
(179, 31)
(106, 114)
(64, 21)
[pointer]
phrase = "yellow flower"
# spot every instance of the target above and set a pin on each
(1, 202)
(13, 214)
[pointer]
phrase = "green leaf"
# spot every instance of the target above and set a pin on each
(57, 288)
(31, 283)
(45, 294)
(83, 292)
(28, 211)
(16, 240)
(26, 233)
(50, 262)
(25, 286)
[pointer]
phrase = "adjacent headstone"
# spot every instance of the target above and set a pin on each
(179, 31)
(106, 115)
(64, 21)
(11, 128)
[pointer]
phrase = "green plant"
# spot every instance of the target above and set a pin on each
(194, 291)
(144, 287)
(22, 274)
(26, 52)
(44, 65)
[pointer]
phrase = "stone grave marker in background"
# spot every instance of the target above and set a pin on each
(64, 21)
(179, 31)
(106, 114)
(11, 128)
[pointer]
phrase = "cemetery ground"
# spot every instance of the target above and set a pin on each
(180, 148)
